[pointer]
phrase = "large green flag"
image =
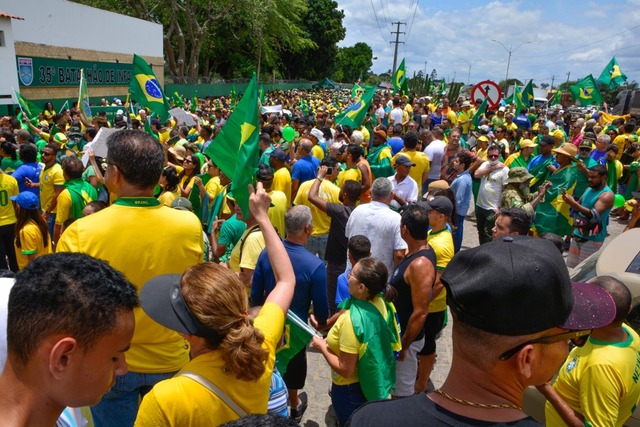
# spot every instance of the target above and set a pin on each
(235, 149)
(400, 80)
(527, 94)
(480, 113)
(83, 97)
(177, 100)
(553, 215)
(557, 97)
(612, 76)
(586, 91)
(28, 108)
(146, 90)
(355, 113)
(296, 336)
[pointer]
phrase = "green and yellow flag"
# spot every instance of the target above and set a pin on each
(557, 98)
(29, 109)
(553, 216)
(355, 113)
(480, 113)
(146, 89)
(83, 97)
(296, 336)
(527, 94)
(177, 100)
(235, 149)
(612, 76)
(586, 91)
(357, 91)
(400, 80)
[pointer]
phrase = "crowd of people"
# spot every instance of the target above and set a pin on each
(356, 231)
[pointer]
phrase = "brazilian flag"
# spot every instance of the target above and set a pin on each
(400, 80)
(552, 215)
(612, 76)
(586, 91)
(527, 94)
(355, 113)
(296, 336)
(146, 89)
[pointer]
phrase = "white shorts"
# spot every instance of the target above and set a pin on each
(407, 370)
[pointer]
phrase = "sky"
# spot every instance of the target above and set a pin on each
(547, 39)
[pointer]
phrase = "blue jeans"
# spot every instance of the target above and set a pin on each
(457, 236)
(51, 222)
(119, 406)
(345, 400)
(317, 245)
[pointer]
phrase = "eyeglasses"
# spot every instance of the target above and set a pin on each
(578, 338)
(493, 156)
(187, 161)
(350, 275)
(45, 153)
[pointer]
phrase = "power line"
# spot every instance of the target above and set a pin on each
(415, 9)
(384, 14)
(378, 22)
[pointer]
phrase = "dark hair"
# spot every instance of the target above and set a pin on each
(555, 239)
(173, 180)
(493, 147)
(397, 129)
(138, 156)
(73, 167)
(359, 247)
(262, 420)
(520, 220)
(264, 174)
(599, 169)
(329, 162)
(207, 129)
(65, 293)
(355, 150)
(9, 149)
(53, 147)
(373, 274)
(410, 139)
(196, 167)
(23, 216)
(620, 294)
(28, 153)
(96, 205)
(416, 219)
(352, 189)
(465, 158)
(265, 137)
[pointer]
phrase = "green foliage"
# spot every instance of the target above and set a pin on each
(353, 61)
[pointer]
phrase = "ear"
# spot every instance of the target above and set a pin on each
(525, 360)
(61, 355)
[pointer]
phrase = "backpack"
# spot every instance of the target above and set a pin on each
(585, 226)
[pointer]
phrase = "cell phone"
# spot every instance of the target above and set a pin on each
(563, 190)
(329, 171)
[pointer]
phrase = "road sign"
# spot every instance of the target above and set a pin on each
(487, 89)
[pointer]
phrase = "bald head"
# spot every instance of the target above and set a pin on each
(620, 294)
(306, 146)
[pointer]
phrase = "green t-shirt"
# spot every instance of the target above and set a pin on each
(230, 233)
(10, 166)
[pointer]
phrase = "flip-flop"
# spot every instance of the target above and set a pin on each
(298, 411)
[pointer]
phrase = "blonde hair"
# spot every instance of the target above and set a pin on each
(217, 298)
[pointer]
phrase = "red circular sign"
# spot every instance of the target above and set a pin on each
(487, 89)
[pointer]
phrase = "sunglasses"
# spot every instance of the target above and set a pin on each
(578, 338)
(187, 161)
(493, 156)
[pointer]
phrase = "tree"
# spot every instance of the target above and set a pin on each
(544, 85)
(353, 62)
(322, 24)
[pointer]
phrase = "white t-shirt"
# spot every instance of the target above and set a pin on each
(396, 116)
(491, 187)
(435, 152)
(407, 189)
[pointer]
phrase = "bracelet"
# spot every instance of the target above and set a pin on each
(319, 179)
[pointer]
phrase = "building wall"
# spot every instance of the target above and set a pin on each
(61, 29)
(8, 74)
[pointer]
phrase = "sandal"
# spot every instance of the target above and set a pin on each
(298, 411)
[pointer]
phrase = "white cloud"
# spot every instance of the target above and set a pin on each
(561, 35)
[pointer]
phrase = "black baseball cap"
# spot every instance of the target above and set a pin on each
(161, 298)
(547, 140)
(520, 285)
(439, 203)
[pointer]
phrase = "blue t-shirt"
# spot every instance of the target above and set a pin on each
(305, 169)
(522, 121)
(397, 144)
(311, 282)
(31, 171)
(342, 287)
(598, 156)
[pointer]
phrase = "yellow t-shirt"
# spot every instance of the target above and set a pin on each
(142, 239)
(213, 188)
(465, 117)
(30, 244)
(442, 244)
(164, 136)
(277, 210)
(251, 248)
(63, 207)
(282, 182)
(351, 174)
(600, 381)
(342, 339)
(167, 197)
(180, 401)
(8, 188)
(330, 193)
(510, 126)
(621, 142)
(422, 164)
(186, 182)
(317, 152)
(49, 179)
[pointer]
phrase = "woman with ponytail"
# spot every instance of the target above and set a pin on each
(232, 355)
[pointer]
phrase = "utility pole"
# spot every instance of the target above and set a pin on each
(397, 32)
(568, 75)
(425, 69)
(553, 78)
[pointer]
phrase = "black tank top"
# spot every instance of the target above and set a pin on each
(404, 306)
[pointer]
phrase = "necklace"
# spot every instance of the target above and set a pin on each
(478, 405)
